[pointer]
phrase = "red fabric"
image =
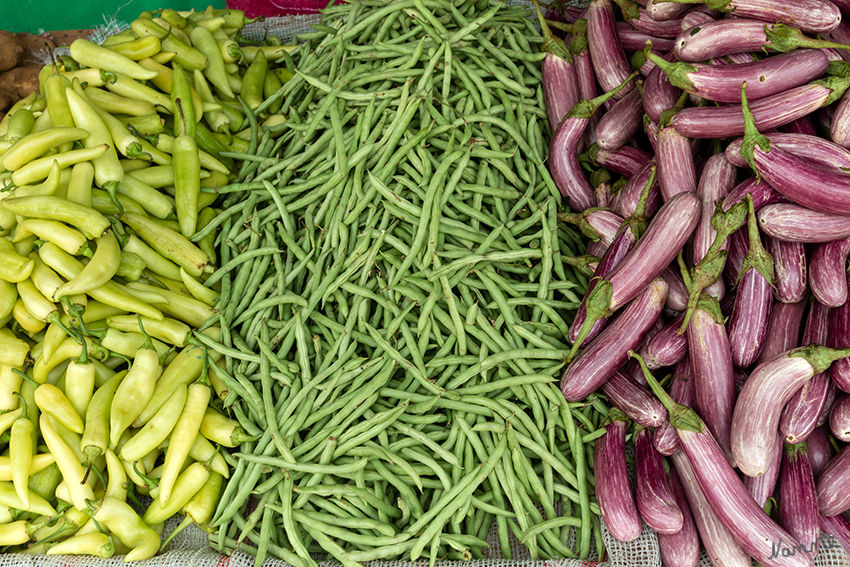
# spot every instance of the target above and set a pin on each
(269, 8)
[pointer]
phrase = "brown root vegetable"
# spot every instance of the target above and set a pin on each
(20, 80)
(7, 99)
(11, 50)
(37, 49)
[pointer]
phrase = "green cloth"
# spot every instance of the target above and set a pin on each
(36, 16)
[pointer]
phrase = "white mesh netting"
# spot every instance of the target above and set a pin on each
(191, 547)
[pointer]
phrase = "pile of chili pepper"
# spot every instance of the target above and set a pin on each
(396, 289)
(106, 394)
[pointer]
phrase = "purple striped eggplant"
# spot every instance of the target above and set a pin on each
(839, 130)
(753, 300)
(609, 351)
(737, 35)
(800, 126)
(819, 450)
(827, 272)
(665, 11)
(677, 294)
(618, 125)
(667, 347)
(763, 194)
(596, 249)
(681, 549)
(572, 13)
(667, 232)
(783, 330)
(736, 59)
(600, 181)
(720, 545)
(839, 418)
(675, 159)
(814, 16)
(563, 151)
(815, 187)
(665, 29)
(770, 112)
(833, 496)
(625, 201)
(585, 76)
(718, 177)
(796, 223)
(831, 395)
(839, 337)
(755, 420)
(653, 492)
(813, 148)
(625, 239)
(664, 438)
(765, 77)
(798, 501)
(625, 160)
(632, 368)
(761, 488)
(711, 366)
(613, 487)
(790, 269)
(597, 224)
(606, 52)
(696, 18)
(658, 94)
(650, 128)
(634, 400)
(724, 491)
(560, 93)
(800, 415)
(634, 40)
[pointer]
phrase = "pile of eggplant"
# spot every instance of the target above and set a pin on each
(704, 150)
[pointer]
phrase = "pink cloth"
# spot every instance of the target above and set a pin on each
(268, 8)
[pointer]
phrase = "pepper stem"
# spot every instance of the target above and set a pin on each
(23, 405)
(148, 341)
(187, 521)
(26, 377)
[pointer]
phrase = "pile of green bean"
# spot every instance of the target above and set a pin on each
(394, 301)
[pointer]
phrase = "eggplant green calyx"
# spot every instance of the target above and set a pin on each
(587, 108)
(758, 258)
(751, 133)
(597, 306)
(677, 71)
(819, 356)
(679, 416)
